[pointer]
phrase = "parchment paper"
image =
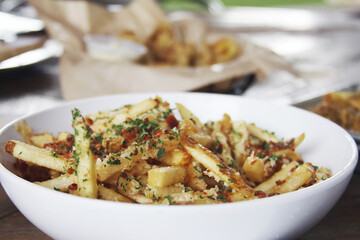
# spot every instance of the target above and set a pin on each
(82, 76)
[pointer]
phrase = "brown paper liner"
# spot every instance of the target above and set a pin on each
(82, 76)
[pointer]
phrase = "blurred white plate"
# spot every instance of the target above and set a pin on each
(50, 49)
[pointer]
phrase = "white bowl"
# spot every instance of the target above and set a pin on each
(63, 216)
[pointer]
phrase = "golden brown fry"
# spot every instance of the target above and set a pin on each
(39, 156)
(166, 176)
(254, 169)
(185, 114)
(60, 183)
(24, 130)
(40, 140)
(262, 134)
(176, 157)
(111, 195)
(131, 187)
(195, 179)
(197, 133)
(86, 169)
(216, 166)
(268, 185)
(239, 138)
(224, 50)
(298, 178)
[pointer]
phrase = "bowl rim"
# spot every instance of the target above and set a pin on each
(340, 176)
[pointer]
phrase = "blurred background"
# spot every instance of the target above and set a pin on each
(317, 39)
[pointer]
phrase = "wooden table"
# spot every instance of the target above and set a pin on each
(41, 82)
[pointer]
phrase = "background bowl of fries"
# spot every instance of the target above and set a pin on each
(65, 216)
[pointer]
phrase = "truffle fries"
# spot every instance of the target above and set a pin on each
(165, 49)
(143, 154)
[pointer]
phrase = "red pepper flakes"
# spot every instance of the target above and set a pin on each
(70, 170)
(260, 194)
(89, 121)
(157, 133)
(124, 175)
(171, 121)
(279, 182)
(73, 187)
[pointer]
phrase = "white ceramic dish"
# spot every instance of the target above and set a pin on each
(63, 216)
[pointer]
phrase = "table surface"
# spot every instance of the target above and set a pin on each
(36, 87)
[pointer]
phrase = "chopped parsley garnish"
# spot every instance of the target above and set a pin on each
(161, 153)
(113, 161)
(236, 133)
(169, 199)
(222, 198)
(75, 113)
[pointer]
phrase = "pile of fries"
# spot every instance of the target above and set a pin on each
(164, 49)
(342, 108)
(142, 154)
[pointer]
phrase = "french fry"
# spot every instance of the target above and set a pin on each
(197, 133)
(224, 150)
(261, 133)
(60, 183)
(224, 49)
(143, 107)
(225, 125)
(85, 159)
(254, 169)
(298, 178)
(132, 188)
(102, 121)
(111, 165)
(239, 139)
(195, 177)
(46, 158)
(299, 140)
(322, 174)
(216, 165)
(39, 156)
(157, 193)
(176, 157)
(268, 185)
(111, 195)
(187, 114)
(338, 97)
(40, 139)
(290, 151)
(24, 130)
(166, 176)
(62, 136)
(210, 196)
